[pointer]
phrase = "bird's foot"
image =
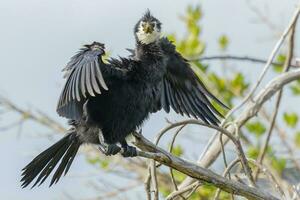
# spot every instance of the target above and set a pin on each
(109, 149)
(139, 131)
(128, 151)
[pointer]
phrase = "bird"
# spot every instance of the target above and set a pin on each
(107, 101)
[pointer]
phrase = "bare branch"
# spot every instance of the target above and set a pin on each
(250, 111)
(197, 172)
(286, 67)
(40, 117)
(269, 62)
(238, 58)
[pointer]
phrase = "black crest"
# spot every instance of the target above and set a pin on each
(148, 17)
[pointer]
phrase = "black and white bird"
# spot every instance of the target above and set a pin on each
(105, 102)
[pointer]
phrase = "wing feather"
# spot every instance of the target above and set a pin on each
(100, 77)
(86, 76)
(165, 98)
(82, 73)
(183, 90)
(184, 106)
(72, 90)
(177, 98)
(68, 92)
(88, 79)
(77, 92)
(95, 85)
(82, 81)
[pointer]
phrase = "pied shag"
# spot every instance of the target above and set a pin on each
(106, 101)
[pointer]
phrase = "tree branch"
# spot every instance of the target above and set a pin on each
(250, 111)
(238, 58)
(197, 172)
(286, 67)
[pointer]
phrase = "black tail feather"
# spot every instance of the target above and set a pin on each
(42, 166)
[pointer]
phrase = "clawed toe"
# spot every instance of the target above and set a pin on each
(129, 151)
(110, 149)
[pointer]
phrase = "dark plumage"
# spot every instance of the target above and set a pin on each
(107, 101)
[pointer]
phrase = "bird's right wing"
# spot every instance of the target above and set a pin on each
(183, 91)
(86, 76)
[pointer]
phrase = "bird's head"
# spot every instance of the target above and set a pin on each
(96, 46)
(148, 29)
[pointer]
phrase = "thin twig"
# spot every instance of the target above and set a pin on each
(197, 172)
(226, 171)
(212, 150)
(174, 194)
(238, 58)
(268, 64)
(286, 67)
(235, 141)
(40, 118)
(249, 111)
(154, 179)
(269, 174)
(283, 135)
(170, 150)
(147, 185)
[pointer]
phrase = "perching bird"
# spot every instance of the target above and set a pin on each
(105, 102)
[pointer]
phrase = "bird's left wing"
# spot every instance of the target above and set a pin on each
(86, 76)
(183, 90)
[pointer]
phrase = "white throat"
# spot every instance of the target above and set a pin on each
(147, 38)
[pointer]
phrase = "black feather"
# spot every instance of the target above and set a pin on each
(183, 90)
(156, 76)
(44, 163)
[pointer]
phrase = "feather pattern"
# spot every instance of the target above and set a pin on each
(87, 76)
(155, 77)
(81, 72)
(42, 166)
(183, 90)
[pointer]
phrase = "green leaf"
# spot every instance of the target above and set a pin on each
(177, 150)
(219, 82)
(280, 60)
(93, 160)
(104, 164)
(295, 87)
(297, 139)
(191, 46)
(179, 176)
(207, 191)
(278, 164)
(253, 152)
(238, 84)
(257, 128)
(291, 119)
(165, 191)
(223, 42)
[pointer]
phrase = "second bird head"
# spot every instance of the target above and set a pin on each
(148, 29)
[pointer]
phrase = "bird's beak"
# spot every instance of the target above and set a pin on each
(148, 28)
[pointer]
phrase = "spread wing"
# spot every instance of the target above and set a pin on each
(85, 74)
(183, 90)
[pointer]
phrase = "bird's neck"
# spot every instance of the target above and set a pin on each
(148, 51)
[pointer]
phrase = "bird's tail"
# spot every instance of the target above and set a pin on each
(42, 165)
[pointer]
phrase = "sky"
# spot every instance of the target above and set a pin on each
(37, 38)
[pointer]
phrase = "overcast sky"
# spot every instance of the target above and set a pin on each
(37, 38)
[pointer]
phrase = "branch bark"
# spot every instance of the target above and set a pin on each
(250, 111)
(197, 172)
(213, 148)
(238, 58)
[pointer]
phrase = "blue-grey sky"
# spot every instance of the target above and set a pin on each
(37, 38)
